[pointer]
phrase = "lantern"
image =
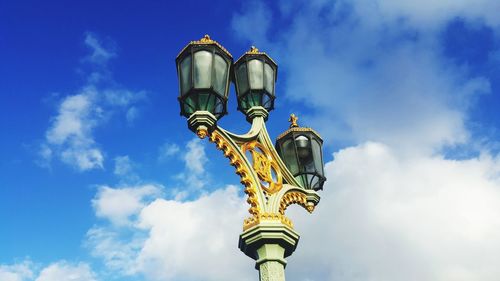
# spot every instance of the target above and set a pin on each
(301, 151)
(255, 76)
(203, 69)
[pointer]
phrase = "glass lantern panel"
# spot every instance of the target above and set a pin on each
(185, 69)
(269, 75)
(266, 102)
(202, 69)
(241, 79)
(318, 161)
(207, 101)
(308, 166)
(201, 101)
(189, 105)
(302, 180)
(313, 183)
(310, 178)
(289, 156)
(255, 74)
(304, 152)
(221, 72)
(219, 108)
(253, 99)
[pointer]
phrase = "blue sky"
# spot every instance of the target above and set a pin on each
(102, 180)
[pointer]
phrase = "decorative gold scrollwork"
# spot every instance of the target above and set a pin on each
(295, 198)
(264, 165)
(245, 177)
(266, 216)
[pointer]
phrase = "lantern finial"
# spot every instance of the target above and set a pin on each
(253, 50)
(206, 39)
(293, 120)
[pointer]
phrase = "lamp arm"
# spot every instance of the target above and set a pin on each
(257, 124)
(266, 203)
(294, 195)
(230, 145)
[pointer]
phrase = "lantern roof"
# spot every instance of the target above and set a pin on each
(294, 127)
(206, 40)
(254, 51)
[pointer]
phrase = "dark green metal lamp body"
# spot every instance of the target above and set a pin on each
(255, 77)
(203, 68)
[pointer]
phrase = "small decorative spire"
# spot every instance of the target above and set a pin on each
(293, 120)
(253, 50)
(206, 39)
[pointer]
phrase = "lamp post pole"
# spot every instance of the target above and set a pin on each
(273, 178)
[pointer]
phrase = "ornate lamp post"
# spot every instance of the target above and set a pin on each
(273, 178)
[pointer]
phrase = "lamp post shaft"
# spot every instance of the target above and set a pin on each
(269, 243)
(272, 262)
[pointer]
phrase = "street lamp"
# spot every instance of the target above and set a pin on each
(273, 177)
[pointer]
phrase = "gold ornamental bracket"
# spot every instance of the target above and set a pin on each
(265, 166)
(268, 183)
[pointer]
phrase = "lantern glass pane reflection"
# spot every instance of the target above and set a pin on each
(221, 72)
(202, 69)
(269, 78)
(185, 74)
(241, 77)
(255, 73)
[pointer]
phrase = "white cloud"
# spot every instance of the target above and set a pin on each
(132, 114)
(58, 271)
(63, 271)
(428, 14)
(122, 97)
(117, 250)
(68, 123)
(70, 134)
(167, 150)
(368, 73)
(208, 232)
(16, 272)
(123, 165)
(191, 240)
(195, 157)
(384, 216)
(194, 177)
(260, 19)
(119, 204)
(124, 169)
(99, 54)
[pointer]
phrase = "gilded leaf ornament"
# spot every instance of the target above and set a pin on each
(264, 166)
